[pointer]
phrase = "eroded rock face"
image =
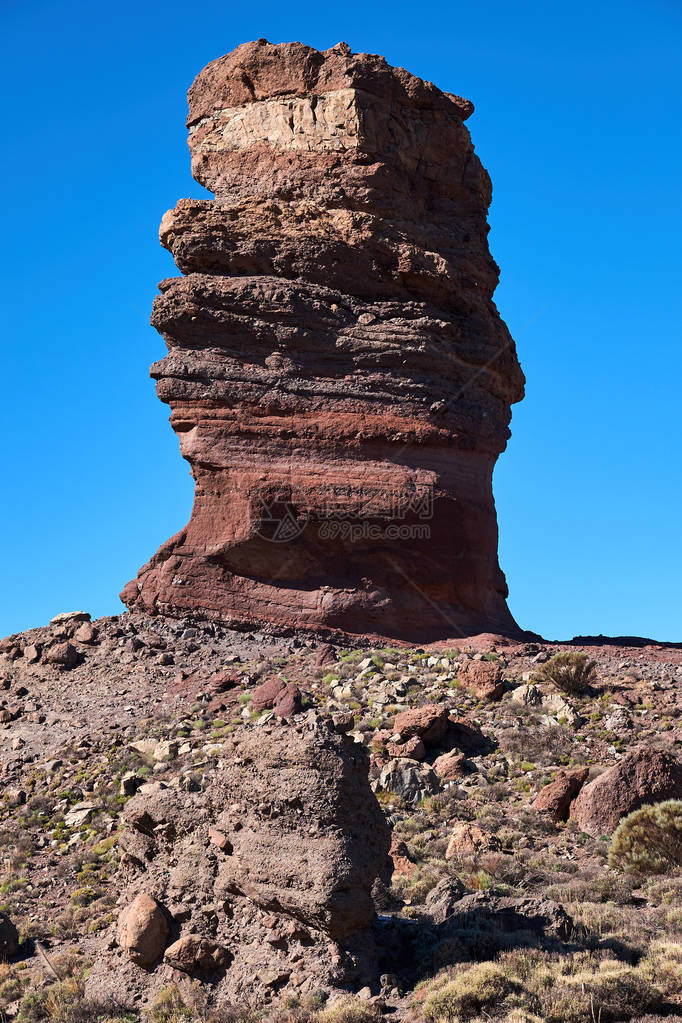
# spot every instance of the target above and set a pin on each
(308, 837)
(264, 873)
(339, 377)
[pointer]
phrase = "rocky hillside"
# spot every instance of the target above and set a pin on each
(196, 825)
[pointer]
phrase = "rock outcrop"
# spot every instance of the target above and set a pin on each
(265, 874)
(555, 798)
(339, 378)
(643, 776)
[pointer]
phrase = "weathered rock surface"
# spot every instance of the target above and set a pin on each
(143, 930)
(643, 776)
(408, 779)
(468, 840)
(443, 901)
(484, 678)
(503, 915)
(555, 798)
(195, 954)
(429, 723)
(263, 870)
(338, 375)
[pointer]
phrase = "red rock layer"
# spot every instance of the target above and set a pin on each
(339, 377)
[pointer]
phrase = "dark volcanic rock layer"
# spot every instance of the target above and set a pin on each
(339, 377)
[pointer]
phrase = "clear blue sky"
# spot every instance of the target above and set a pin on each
(578, 121)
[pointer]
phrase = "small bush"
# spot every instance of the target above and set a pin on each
(613, 991)
(169, 1006)
(649, 841)
(480, 987)
(571, 671)
(349, 1010)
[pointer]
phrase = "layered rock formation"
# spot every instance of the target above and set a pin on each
(339, 377)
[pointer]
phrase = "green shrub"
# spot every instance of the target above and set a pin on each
(649, 841)
(571, 671)
(169, 1006)
(349, 1010)
(480, 987)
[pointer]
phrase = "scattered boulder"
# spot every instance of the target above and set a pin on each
(62, 655)
(408, 779)
(468, 840)
(325, 655)
(442, 902)
(165, 750)
(467, 736)
(411, 749)
(15, 796)
(289, 702)
(276, 694)
(143, 930)
(343, 721)
(618, 719)
(643, 776)
(402, 863)
(70, 618)
(130, 783)
(149, 822)
(498, 915)
(555, 798)
(195, 954)
(33, 652)
(428, 723)
(450, 766)
(9, 938)
(484, 678)
(86, 633)
(556, 710)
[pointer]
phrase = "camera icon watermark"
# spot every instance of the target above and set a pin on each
(351, 513)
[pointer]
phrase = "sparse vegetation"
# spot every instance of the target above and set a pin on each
(529, 985)
(649, 841)
(570, 671)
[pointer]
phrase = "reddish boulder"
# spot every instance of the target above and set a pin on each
(555, 799)
(143, 930)
(484, 678)
(429, 723)
(32, 653)
(469, 839)
(399, 854)
(336, 310)
(276, 694)
(288, 702)
(195, 954)
(412, 748)
(62, 655)
(86, 633)
(265, 695)
(644, 776)
(450, 766)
